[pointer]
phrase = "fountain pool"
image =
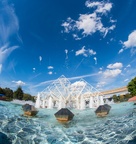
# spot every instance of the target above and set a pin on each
(119, 127)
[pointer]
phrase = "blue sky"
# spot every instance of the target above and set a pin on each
(42, 40)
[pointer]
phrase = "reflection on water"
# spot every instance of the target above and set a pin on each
(119, 127)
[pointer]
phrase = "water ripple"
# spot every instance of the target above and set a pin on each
(118, 127)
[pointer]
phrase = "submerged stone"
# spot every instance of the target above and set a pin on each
(133, 141)
(64, 115)
(29, 110)
(103, 110)
(4, 139)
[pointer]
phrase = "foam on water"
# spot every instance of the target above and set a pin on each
(119, 127)
(22, 102)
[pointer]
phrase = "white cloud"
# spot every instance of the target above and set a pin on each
(128, 65)
(72, 78)
(133, 51)
(99, 72)
(34, 69)
(66, 52)
(76, 37)
(131, 42)
(91, 22)
(116, 65)
(50, 67)
(126, 80)
(104, 8)
(101, 7)
(101, 69)
(101, 84)
(50, 72)
(92, 4)
(0, 68)
(8, 22)
(85, 52)
(91, 52)
(111, 73)
(19, 83)
(5, 51)
(67, 25)
(120, 51)
(83, 76)
(9, 26)
(112, 21)
(78, 83)
(95, 60)
(81, 51)
(40, 58)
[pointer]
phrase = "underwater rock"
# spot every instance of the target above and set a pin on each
(29, 110)
(26, 107)
(64, 115)
(133, 141)
(103, 110)
(4, 139)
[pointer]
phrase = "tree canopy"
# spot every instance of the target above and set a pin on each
(132, 87)
(17, 94)
(8, 93)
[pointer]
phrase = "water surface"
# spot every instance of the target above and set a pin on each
(119, 127)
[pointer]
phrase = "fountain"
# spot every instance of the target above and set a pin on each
(50, 103)
(61, 103)
(43, 104)
(38, 101)
(101, 100)
(91, 102)
(62, 93)
(82, 103)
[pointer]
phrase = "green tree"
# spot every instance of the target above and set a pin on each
(26, 97)
(18, 94)
(121, 98)
(127, 96)
(33, 98)
(132, 87)
(8, 93)
(115, 98)
(1, 91)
